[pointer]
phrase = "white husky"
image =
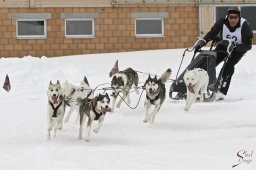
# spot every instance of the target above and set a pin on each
(72, 93)
(196, 81)
(56, 108)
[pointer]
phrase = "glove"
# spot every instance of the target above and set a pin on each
(200, 42)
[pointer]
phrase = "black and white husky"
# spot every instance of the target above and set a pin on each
(155, 94)
(56, 107)
(93, 109)
(122, 82)
(72, 93)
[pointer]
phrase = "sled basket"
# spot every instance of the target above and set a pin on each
(206, 60)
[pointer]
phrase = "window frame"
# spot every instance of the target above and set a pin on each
(80, 36)
(31, 36)
(149, 35)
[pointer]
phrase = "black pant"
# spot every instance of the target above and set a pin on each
(228, 69)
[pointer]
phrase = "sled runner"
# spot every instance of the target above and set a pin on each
(206, 59)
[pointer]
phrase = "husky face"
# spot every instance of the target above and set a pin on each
(190, 78)
(103, 102)
(151, 85)
(54, 92)
(117, 82)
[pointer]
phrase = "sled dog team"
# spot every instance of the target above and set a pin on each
(94, 108)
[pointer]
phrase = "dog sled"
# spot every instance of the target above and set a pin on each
(205, 59)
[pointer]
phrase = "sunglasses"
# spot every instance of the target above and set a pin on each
(233, 17)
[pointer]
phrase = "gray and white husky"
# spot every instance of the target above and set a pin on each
(93, 109)
(122, 82)
(56, 108)
(155, 95)
(72, 93)
(196, 81)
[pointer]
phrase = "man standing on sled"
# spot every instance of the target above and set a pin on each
(236, 28)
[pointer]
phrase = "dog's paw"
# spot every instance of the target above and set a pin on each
(95, 130)
(60, 128)
(186, 109)
(87, 140)
(145, 121)
(118, 105)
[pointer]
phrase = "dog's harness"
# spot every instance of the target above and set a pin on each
(161, 91)
(89, 103)
(55, 109)
(98, 114)
(153, 100)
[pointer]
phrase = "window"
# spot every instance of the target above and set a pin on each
(31, 25)
(248, 12)
(79, 25)
(221, 11)
(31, 28)
(79, 28)
(149, 24)
(147, 27)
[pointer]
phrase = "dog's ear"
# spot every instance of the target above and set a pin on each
(107, 95)
(114, 78)
(149, 76)
(58, 82)
(155, 77)
(85, 80)
(50, 83)
(100, 95)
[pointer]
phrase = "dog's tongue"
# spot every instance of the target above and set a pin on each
(191, 89)
(55, 100)
(107, 110)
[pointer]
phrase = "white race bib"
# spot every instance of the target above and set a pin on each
(236, 36)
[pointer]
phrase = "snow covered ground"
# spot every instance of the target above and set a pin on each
(211, 136)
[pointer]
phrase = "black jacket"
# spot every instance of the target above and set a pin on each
(246, 32)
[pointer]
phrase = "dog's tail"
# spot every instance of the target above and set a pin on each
(166, 75)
